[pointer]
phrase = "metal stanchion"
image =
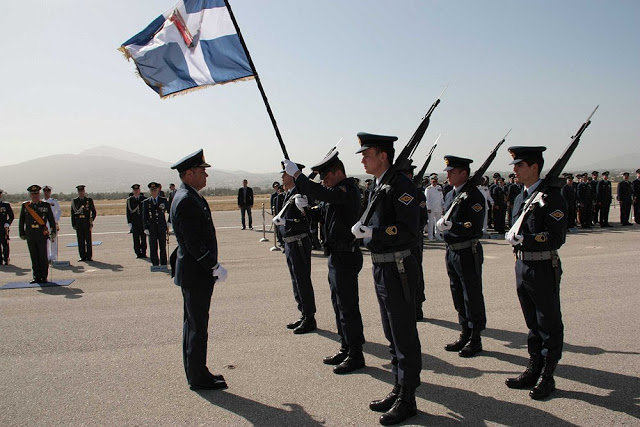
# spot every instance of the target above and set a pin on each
(264, 228)
(275, 238)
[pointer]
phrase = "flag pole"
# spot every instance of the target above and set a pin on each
(257, 77)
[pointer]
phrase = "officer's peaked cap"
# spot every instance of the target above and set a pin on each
(135, 186)
(34, 188)
(326, 163)
(625, 173)
(453, 162)
(569, 176)
(605, 173)
(368, 140)
(80, 187)
(594, 173)
(47, 188)
(521, 153)
(153, 185)
(497, 175)
(193, 160)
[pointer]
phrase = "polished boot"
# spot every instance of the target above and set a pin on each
(337, 358)
(350, 364)
(383, 405)
(403, 408)
(308, 324)
(473, 347)
(546, 384)
(460, 342)
(530, 375)
(419, 312)
(295, 324)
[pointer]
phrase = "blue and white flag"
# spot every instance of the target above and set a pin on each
(194, 44)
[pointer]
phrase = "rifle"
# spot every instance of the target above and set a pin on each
(417, 179)
(475, 179)
(401, 162)
(313, 174)
(551, 179)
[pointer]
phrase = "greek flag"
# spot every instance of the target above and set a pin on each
(194, 44)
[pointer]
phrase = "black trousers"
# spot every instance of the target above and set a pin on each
(399, 319)
(571, 216)
(417, 251)
(604, 213)
(625, 212)
(538, 288)
(37, 245)
(636, 211)
(4, 245)
(246, 209)
(465, 279)
(83, 233)
(139, 239)
(585, 211)
(158, 240)
(298, 255)
(499, 215)
(195, 332)
(343, 282)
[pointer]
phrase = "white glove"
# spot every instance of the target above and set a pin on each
(301, 202)
(220, 273)
(130, 227)
(361, 231)
(443, 225)
(277, 220)
(290, 167)
(53, 238)
(6, 225)
(514, 239)
(146, 232)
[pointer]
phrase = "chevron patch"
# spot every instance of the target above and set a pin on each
(477, 207)
(406, 198)
(557, 214)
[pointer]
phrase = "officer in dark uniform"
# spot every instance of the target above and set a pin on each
(538, 272)
(32, 227)
(134, 219)
(595, 218)
(499, 205)
(294, 228)
(585, 207)
(196, 268)
(464, 256)
(390, 235)
(6, 218)
(569, 195)
(340, 198)
(83, 212)
(513, 189)
(625, 197)
(603, 199)
(635, 187)
(154, 209)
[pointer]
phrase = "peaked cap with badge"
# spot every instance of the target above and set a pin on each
(325, 164)
(193, 160)
(34, 188)
(368, 140)
(522, 153)
(453, 162)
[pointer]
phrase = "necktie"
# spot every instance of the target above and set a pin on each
(525, 194)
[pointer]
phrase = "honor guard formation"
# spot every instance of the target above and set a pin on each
(389, 217)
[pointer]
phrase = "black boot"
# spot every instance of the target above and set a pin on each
(295, 324)
(383, 405)
(546, 384)
(461, 341)
(337, 358)
(403, 408)
(530, 375)
(308, 324)
(473, 347)
(354, 361)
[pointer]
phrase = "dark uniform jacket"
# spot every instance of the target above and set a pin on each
(584, 193)
(338, 212)
(569, 194)
(635, 186)
(467, 218)
(28, 226)
(513, 191)
(154, 214)
(249, 198)
(498, 195)
(134, 210)
(625, 191)
(295, 222)
(544, 227)
(6, 215)
(82, 210)
(396, 219)
(197, 251)
(603, 192)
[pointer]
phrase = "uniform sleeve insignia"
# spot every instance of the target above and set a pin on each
(423, 204)
(541, 238)
(477, 207)
(392, 230)
(557, 214)
(467, 224)
(406, 198)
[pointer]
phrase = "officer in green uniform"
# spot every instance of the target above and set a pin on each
(32, 227)
(83, 212)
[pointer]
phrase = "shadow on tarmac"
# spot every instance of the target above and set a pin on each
(18, 271)
(104, 266)
(69, 293)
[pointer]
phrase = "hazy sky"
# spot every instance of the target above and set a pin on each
(330, 69)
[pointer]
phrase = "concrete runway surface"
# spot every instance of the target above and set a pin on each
(107, 349)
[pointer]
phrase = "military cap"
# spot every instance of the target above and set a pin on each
(512, 175)
(520, 153)
(594, 173)
(47, 188)
(135, 186)
(193, 160)
(637, 170)
(34, 188)
(433, 176)
(569, 176)
(497, 175)
(453, 162)
(625, 173)
(368, 140)
(408, 166)
(80, 187)
(325, 164)
(1, 191)
(153, 185)
(605, 173)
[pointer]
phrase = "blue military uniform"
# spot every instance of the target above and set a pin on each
(585, 207)
(595, 216)
(625, 197)
(603, 199)
(569, 195)
(498, 194)
(154, 210)
(32, 228)
(134, 219)
(6, 218)
(83, 212)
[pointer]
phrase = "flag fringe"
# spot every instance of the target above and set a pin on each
(193, 89)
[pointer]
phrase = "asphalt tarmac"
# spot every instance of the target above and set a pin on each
(106, 350)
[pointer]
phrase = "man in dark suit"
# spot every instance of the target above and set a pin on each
(245, 203)
(603, 199)
(196, 268)
(134, 219)
(154, 209)
(83, 213)
(635, 186)
(6, 218)
(625, 197)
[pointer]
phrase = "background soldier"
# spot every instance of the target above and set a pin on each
(294, 228)
(390, 235)
(154, 220)
(83, 212)
(245, 203)
(625, 197)
(538, 272)
(32, 227)
(513, 189)
(52, 245)
(136, 225)
(341, 203)
(464, 255)
(603, 199)
(435, 207)
(635, 185)
(585, 207)
(6, 218)
(594, 197)
(569, 195)
(499, 204)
